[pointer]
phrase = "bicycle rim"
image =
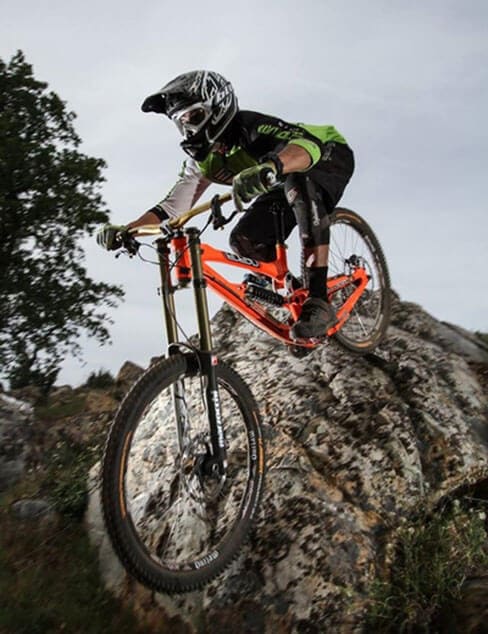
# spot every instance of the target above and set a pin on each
(174, 526)
(353, 244)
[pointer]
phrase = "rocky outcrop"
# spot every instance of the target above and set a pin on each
(354, 446)
(15, 430)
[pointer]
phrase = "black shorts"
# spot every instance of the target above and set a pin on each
(256, 233)
(333, 172)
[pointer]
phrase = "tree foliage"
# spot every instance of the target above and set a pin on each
(49, 200)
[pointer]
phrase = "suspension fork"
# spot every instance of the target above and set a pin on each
(169, 315)
(207, 357)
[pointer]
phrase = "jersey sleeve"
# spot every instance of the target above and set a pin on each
(274, 134)
(186, 191)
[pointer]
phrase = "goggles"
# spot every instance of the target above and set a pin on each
(192, 119)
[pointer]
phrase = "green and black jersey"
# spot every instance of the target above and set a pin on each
(249, 138)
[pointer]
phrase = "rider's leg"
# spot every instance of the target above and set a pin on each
(312, 216)
(314, 194)
(254, 236)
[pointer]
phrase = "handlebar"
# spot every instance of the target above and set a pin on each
(177, 223)
(218, 220)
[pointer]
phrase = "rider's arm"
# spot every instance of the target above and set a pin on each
(266, 134)
(183, 195)
(147, 218)
(294, 159)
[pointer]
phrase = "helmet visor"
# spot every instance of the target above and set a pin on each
(191, 120)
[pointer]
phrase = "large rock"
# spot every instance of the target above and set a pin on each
(37, 509)
(354, 445)
(15, 419)
(128, 373)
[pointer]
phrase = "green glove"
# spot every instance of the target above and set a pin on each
(109, 236)
(252, 182)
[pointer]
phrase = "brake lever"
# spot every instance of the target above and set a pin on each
(218, 220)
(129, 243)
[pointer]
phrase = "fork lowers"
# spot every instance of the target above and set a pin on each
(264, 295)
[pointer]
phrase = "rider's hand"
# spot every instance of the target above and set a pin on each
(109, 236)
(252, 182)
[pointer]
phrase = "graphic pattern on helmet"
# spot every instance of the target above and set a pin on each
(206, 89)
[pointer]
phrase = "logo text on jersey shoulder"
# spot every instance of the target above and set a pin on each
(267, 128)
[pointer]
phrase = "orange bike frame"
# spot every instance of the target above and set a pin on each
(235, 293)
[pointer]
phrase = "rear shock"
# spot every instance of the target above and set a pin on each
(264, 295)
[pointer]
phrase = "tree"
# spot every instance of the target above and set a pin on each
(49, 200)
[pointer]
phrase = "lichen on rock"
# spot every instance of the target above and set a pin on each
(355, 445)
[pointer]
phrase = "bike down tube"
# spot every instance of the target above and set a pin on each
(233, 292)
(208, 359)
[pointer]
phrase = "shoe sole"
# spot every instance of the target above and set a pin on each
(296, 336)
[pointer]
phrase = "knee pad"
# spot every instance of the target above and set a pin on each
(310, 210)
(243, 246)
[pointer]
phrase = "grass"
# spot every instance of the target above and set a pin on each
(49, 574)
(428, 564)
(49, 583)
(66, 480)
(53, 410)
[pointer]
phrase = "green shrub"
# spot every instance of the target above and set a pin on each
(53, 410)
(483, 336)
(102, 380)
(66, 482)
(428, 564)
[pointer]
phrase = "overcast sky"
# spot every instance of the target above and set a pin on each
(404, 82)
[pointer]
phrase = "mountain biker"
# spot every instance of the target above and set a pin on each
(243, 148)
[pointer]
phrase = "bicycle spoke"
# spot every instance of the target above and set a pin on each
(349, 250)
(190, 512)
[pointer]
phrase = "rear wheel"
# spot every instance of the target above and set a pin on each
(173, 522)
(354, 244)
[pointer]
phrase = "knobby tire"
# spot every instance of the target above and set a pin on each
(366, 327)
(118, 474)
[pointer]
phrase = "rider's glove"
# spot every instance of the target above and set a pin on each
(109, 236)
(252, 182)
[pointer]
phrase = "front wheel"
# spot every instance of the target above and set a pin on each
(353, 244)
(174, 523)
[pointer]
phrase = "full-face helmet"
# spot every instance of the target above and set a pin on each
(201, 103)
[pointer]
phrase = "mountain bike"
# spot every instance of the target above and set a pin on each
(184, 463)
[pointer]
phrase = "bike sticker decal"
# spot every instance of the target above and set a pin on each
(218, 417)
(237, 258)
(253, 446)
(291, 195)
(204, 561)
